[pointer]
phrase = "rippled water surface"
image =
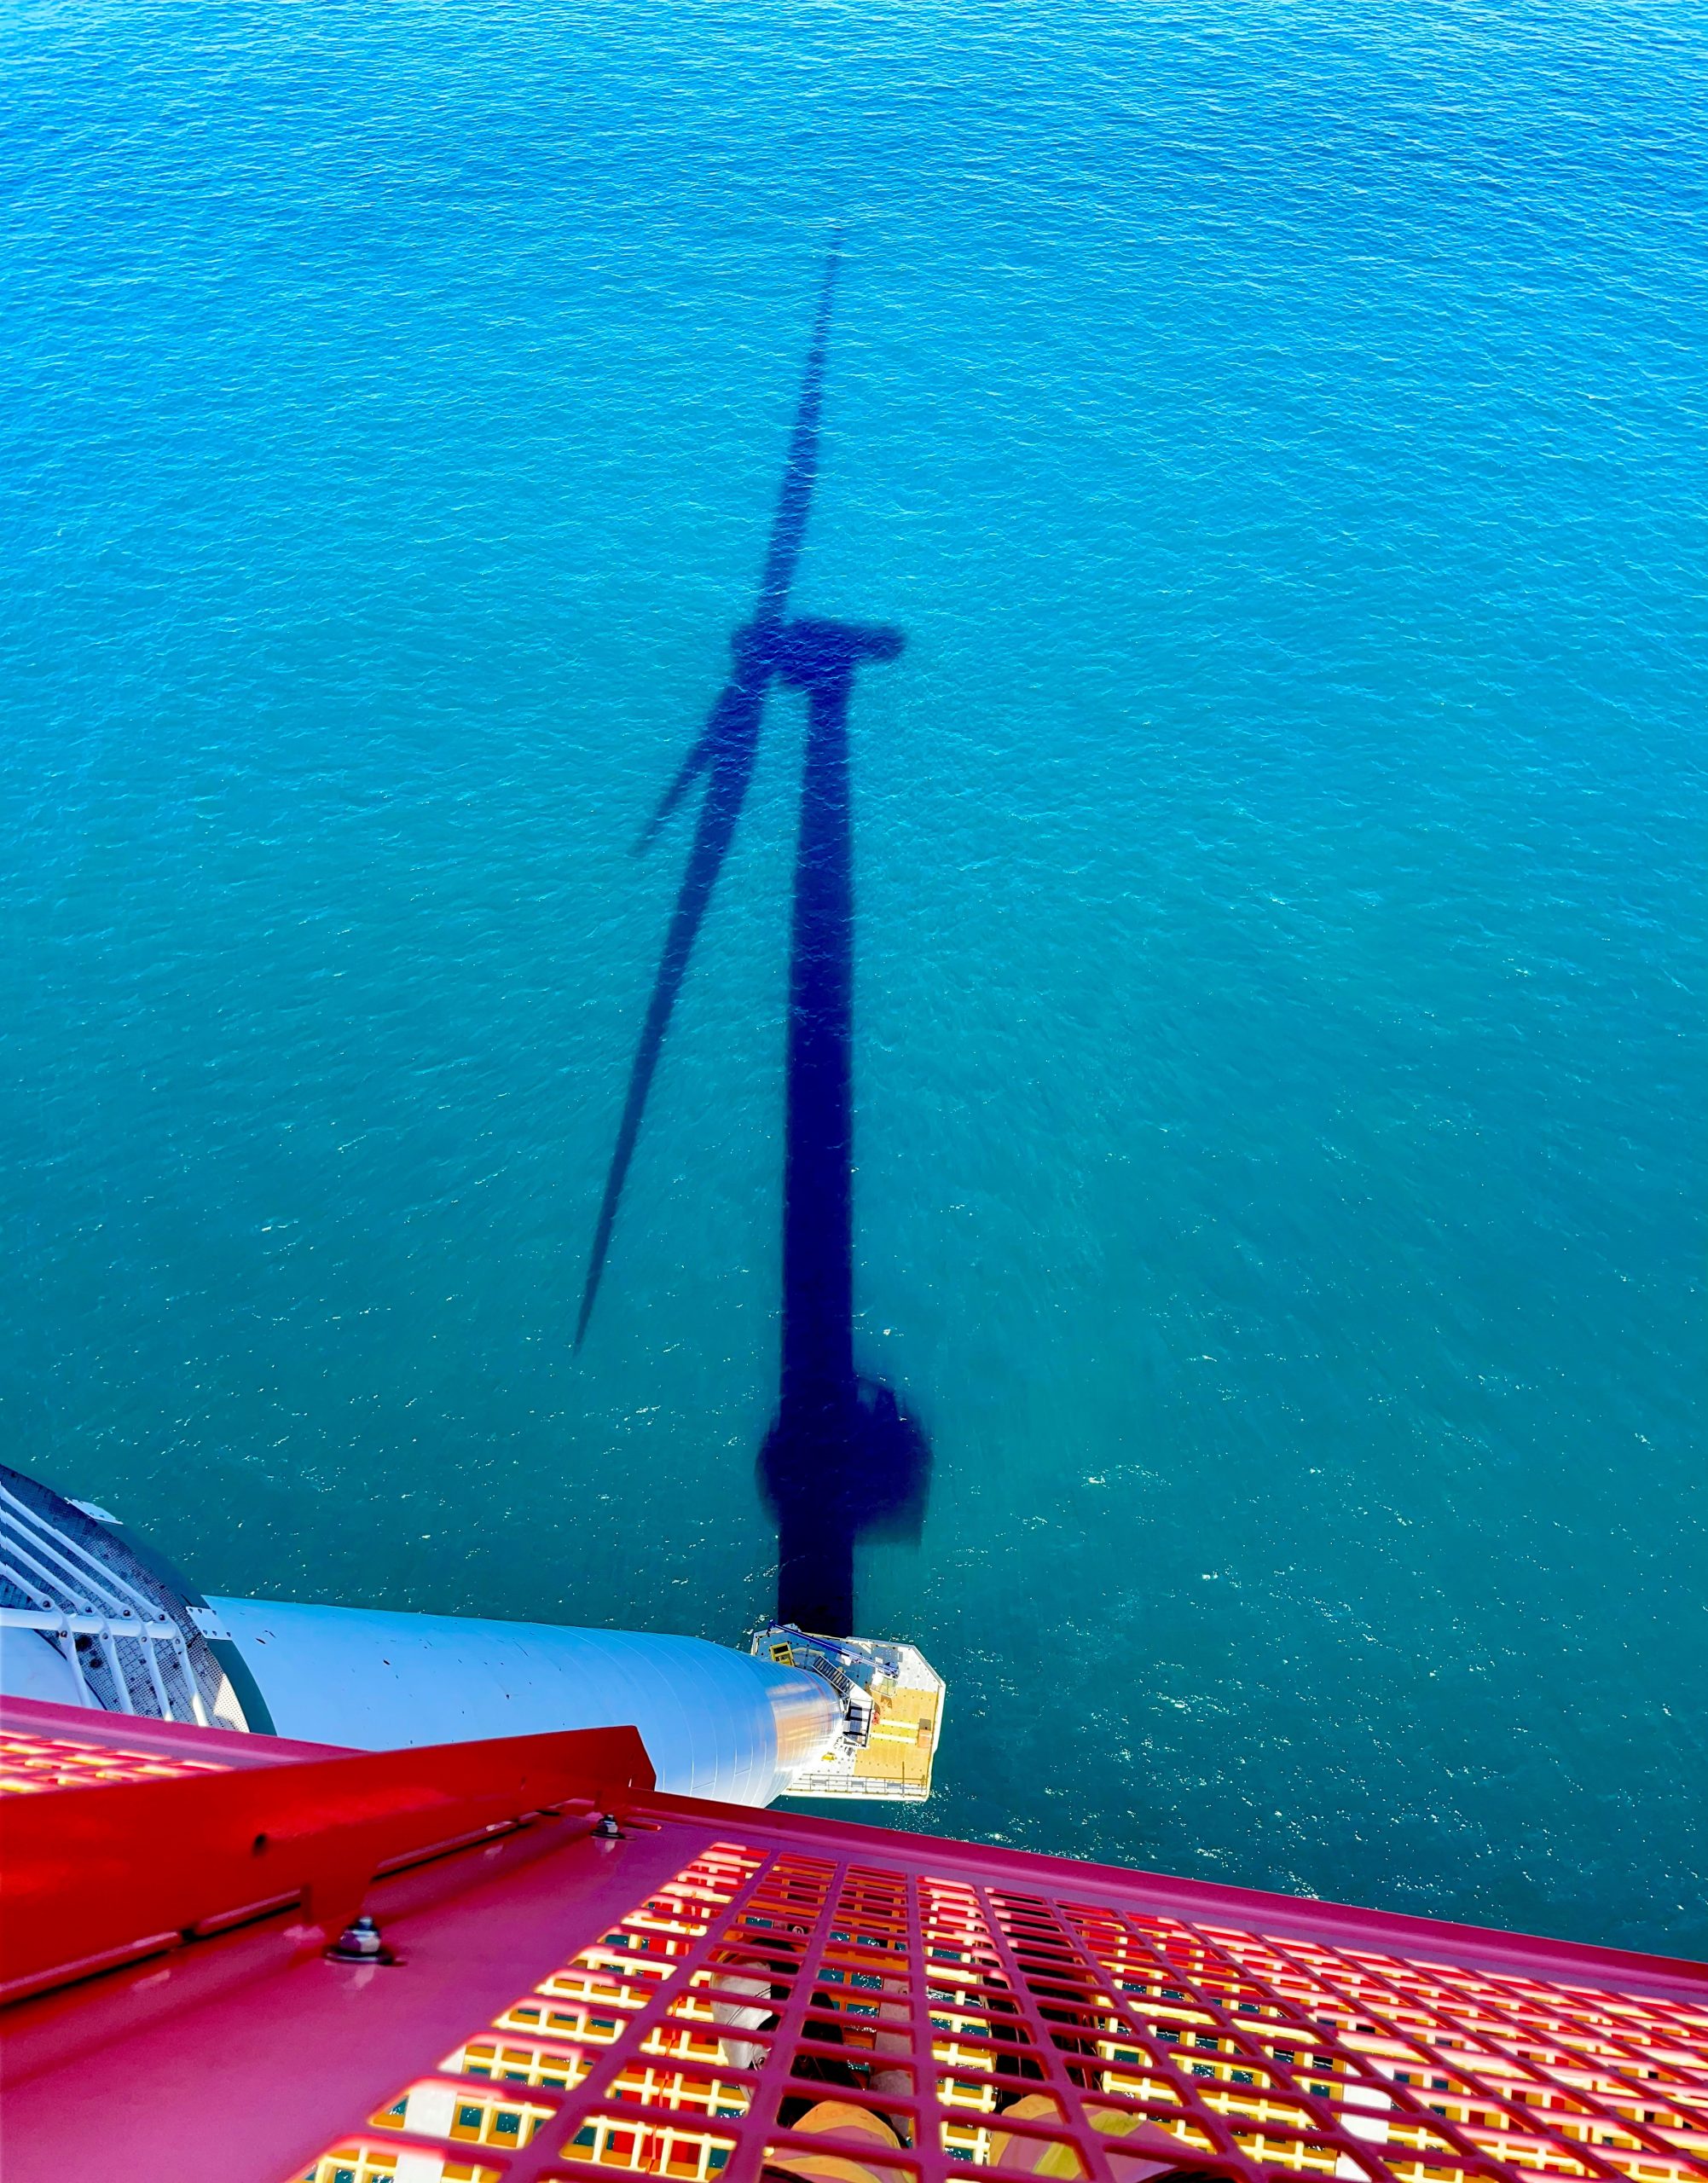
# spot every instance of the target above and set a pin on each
(1277, 431)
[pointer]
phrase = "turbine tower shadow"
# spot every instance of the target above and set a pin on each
(842, 1459)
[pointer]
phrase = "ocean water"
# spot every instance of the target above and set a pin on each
(1278, 431)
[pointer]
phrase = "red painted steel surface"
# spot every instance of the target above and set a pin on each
(725, 1995)
(96, 1877)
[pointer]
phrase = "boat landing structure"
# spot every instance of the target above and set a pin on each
(892, 1717)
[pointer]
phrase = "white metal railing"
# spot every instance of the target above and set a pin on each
(72, 1593)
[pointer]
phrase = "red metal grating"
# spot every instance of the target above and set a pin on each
(29, 1764)
(801, 2016)
(80, 1740)
(733, 1996)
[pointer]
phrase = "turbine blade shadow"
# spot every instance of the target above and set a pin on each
(724, 752)
(788, 527)
(732, 738)
(801, 471)
(687, 774)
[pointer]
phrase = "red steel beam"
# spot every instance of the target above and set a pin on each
(102, 1876)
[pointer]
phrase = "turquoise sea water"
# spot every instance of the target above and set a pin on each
(1279, 431)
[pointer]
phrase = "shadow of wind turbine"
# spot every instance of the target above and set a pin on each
(842, 1459)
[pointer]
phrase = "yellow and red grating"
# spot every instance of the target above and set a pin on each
(32, 1763)
(809, 2018)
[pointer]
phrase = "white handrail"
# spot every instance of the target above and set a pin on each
(75, 1595)
(75, 1561)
